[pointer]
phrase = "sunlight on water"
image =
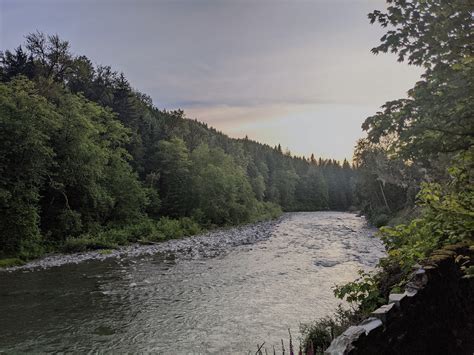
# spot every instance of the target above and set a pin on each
(227, 303)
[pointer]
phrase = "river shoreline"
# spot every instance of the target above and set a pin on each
(215, 293)
(208, 244)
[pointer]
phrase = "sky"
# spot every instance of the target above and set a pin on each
(293, 72)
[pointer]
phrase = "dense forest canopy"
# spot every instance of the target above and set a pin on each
(87, 161)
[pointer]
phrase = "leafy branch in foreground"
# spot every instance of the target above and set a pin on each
(422, 146)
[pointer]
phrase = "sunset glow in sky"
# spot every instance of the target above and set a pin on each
(298, 73)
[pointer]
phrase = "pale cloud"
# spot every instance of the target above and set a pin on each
(327, 130)
(295, 72)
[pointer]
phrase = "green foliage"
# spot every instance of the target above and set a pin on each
(11, 262)
(363, 292)
(87, 242)
(419, 146)
(177, 228)
(426, 32)
(25, 158)
(91, 179)
(436, 118)
(105, 251)
(318, 335)
(380, 219)
(265, 211)
(312, 191)
(84, 156)
(72, 166)
(447, 217)
(415, 139)
(385, 184)
(221, 190)
(151, 230)
(145, 230)
(173, 165)
(468, 271)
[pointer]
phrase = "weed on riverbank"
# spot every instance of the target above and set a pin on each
(11, 262)
(315, 336)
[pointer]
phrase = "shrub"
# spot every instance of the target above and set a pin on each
(266, 210)
(105, 251)
(118, 236)
(189, 226)
(177, 228)
(380, 220)
(364, 292)
(319, 334)
(11, 262)
(145, 229)
(353, 209)
(87, 242)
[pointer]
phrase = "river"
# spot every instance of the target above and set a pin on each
(225, 299)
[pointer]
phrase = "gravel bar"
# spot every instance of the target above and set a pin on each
(209, 244)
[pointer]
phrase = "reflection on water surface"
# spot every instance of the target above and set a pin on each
(222, 304)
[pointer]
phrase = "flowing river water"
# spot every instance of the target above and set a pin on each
(221, 293)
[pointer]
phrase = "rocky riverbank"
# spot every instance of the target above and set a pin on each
(209, 244)
(172, 298)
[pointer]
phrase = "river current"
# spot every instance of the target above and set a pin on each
(233, 294)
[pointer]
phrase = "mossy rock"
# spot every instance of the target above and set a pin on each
(438, 258)
(443, 252)
(456, 247)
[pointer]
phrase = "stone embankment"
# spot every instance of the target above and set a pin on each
(435, 315)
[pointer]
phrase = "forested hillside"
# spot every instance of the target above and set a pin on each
(86, 161)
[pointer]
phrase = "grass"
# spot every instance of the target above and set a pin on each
(144, 231)
(105, 251)
(10, 262)
(318, 335)
(87, 242)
